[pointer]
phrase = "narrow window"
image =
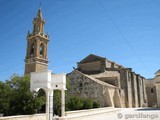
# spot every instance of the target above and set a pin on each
(80, 84)
(152, 91)
(41, 49)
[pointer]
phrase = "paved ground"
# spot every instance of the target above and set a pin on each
(126, 114)
(138, 114)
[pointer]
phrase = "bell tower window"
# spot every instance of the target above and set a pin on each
(32, 48)
(41, 51)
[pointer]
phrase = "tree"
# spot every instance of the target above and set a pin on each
(77, 103)
(17, 98)
(72, 102)
(57, 102)
(5, 93)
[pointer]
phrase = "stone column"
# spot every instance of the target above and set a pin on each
(28, 49)
(49, 104)
(62, 103)
(45, 51)
(111, 92)
(128, 89)
(37, 48)
(135, 90)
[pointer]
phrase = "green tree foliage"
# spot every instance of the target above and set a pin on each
(72, 102)
(16, 98)
(57, 102)
(5, 93)
(77, 103)
(57, 98)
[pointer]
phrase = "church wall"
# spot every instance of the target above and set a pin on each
(151, 92)
(29, 68)
(116, 66)
(41, 67)
(158, 94)
(108, 64)
(157, 84)
(84, 87)
(134, 90)
(141, 95)
(91, 66)
(123, 85)
(110, 80)
(138, 90)
(129, 88)
(145, 102)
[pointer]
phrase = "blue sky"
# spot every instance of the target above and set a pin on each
(124, 31)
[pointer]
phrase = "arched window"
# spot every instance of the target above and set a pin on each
(41, 50)
(32, 48)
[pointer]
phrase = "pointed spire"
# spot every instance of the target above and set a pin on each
(39, 14)
(38, 22)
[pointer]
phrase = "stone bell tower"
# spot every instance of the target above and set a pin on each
(37, 46)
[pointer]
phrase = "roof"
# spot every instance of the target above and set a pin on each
(96, 80)
(91, 58)
(39, 14)
(158, 71)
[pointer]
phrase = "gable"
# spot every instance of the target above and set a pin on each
(92, 58)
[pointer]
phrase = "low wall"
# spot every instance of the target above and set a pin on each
(25, 117)
(91, 114)
(87, 114)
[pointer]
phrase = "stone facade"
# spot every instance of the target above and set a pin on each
(108, 83)
(153, 90)
(89, 87)
(37, 47)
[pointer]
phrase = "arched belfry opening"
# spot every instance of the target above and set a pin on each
(41, 50)
(32, 48)
(36, 59)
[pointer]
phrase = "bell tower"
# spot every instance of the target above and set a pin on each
(37, 46)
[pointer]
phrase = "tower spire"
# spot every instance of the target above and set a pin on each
(38, 23)
(39, 14)
(40, 5)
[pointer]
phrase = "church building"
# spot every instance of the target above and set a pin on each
(108, 83)
(95, 77)
(153, 88)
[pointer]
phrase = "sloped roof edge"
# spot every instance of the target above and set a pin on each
(90, 56)
(96, 80)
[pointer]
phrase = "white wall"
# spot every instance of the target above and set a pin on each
(25, 117)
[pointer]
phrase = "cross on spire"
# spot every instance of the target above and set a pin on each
(40, 5)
